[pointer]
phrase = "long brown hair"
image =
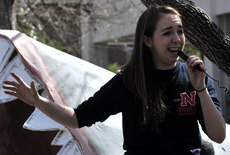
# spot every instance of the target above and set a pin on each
(139, 74)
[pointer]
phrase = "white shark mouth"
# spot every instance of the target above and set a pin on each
(66, 80)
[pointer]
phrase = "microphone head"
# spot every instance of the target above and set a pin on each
(183, 55)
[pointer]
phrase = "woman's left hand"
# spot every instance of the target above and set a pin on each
(196, 77)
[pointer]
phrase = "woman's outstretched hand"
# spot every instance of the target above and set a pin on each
(21, 90)
(61, 114)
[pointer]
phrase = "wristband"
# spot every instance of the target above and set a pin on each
(201, 89)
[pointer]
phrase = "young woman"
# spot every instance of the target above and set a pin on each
(160, 98)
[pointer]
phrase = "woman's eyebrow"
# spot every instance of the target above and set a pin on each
(167, 28)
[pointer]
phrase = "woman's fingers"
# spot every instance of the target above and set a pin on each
(32, 85)
(20, 81)
(203, 68)
(10, 88)
(196, 77)
(13, 83)
(21, 90)
(193, 61)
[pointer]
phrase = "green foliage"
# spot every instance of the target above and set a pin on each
(114, 67)
(27, 24)
(58, 45)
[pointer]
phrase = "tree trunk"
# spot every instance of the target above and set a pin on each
(7, 14)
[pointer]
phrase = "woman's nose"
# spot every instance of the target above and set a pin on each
(176, 38)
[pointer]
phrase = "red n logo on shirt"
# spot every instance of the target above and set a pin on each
(186, 99)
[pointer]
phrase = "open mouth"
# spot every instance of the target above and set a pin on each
(173, 49)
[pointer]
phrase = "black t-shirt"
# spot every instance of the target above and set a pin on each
(180, 133)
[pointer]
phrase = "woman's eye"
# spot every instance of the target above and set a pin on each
(166, 33)
(180, 32)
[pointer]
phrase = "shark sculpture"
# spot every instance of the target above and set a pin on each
(66, 80)
(69, 81)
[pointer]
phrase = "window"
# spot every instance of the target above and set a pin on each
(224, 22)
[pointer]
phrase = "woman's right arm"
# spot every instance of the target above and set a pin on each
(61, 114)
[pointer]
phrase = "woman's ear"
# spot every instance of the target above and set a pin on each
(147, 41)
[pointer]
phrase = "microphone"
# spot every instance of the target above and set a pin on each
(185, 57)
